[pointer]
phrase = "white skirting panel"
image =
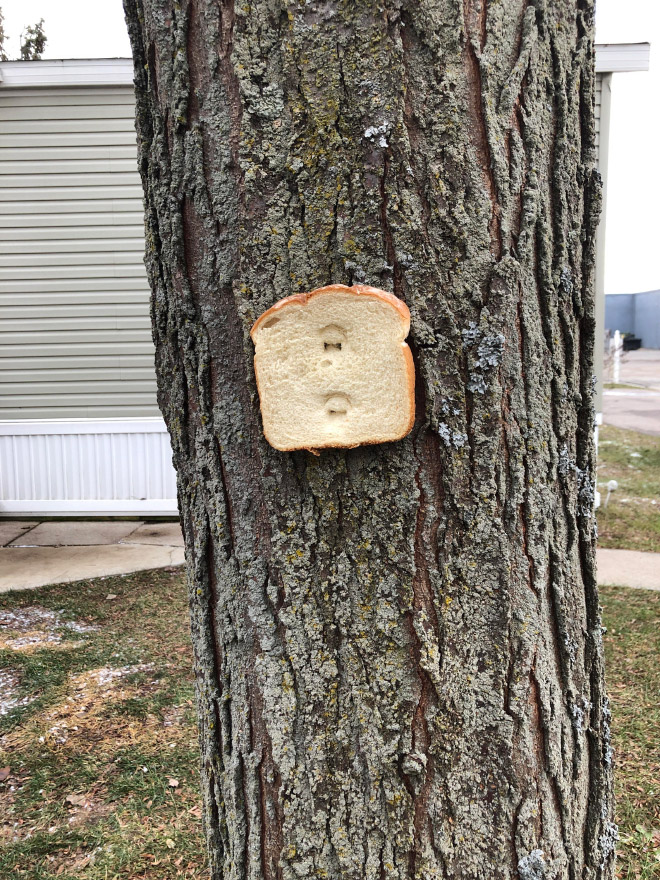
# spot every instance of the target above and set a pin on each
(86, 467)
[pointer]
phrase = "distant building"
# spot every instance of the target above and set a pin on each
(636, 313)
(80, 430)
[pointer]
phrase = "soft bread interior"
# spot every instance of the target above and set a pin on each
(333, 371)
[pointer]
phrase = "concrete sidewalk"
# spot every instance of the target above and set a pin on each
(632, 410)
(628, 568)
(641, 368)
(34, 554)
(635, 408)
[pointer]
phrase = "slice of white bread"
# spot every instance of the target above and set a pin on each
(333, 369)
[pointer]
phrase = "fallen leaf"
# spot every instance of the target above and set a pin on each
(76, 799)
(111, 596)
(5, 773)
(173, 783)
(169, 843)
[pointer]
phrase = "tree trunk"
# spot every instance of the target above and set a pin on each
(398, 648)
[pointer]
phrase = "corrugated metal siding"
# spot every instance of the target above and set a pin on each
(49, 466)
(75, 337)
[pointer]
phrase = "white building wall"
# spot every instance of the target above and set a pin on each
(75, 333)
(80, 429)
(87, 466)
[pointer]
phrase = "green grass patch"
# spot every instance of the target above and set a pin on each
(632, 650)
(631, 520)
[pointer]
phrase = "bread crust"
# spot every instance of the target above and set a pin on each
(355, 290)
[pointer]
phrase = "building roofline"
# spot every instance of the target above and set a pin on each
(610, 58)
(67, 72)
(622, 57)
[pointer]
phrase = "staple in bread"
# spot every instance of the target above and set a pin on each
(333, 369)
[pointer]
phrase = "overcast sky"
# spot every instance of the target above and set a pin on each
(96, 29)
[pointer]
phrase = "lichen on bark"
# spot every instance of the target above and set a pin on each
(398, 648)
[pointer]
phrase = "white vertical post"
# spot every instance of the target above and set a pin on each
(616, 370)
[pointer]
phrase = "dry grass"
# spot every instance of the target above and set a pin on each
(99, 746)
(99, 778)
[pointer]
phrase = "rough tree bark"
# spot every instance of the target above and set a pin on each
(398, 648)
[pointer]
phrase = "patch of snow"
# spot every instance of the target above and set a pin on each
(9, 683)
(27, 641)
(108, 674)
(76, 627)
(25, 619)
(39, 626)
